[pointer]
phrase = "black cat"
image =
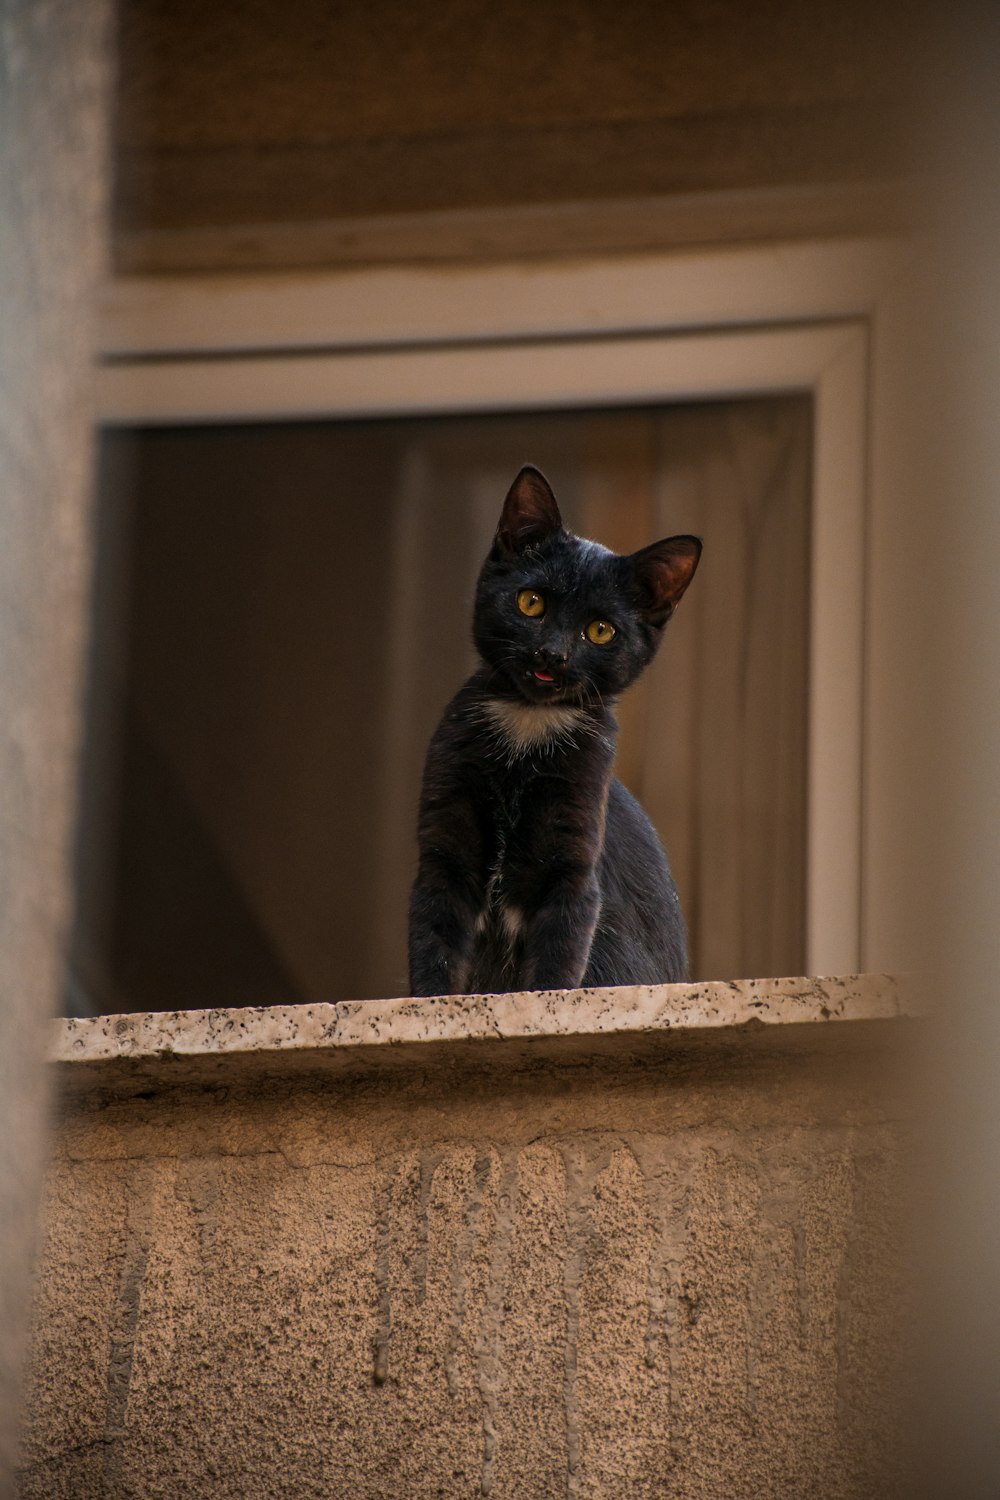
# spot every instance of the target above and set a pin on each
(538, 870)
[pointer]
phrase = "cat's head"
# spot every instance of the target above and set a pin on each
(564, 620)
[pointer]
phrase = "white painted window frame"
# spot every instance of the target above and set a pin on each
(617, 331)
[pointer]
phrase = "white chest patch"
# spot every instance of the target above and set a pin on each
(523, 726)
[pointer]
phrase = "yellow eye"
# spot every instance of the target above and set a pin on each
(530, 603)
(600, 632)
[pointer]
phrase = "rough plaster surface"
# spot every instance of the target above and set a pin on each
(587, 1274)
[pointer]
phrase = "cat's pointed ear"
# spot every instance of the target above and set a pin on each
(530, 513)
(662, 572)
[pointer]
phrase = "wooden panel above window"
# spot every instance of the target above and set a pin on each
(240, 129)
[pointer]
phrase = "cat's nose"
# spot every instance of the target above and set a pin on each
(552, 656)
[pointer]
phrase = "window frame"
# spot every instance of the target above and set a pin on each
(621, 330)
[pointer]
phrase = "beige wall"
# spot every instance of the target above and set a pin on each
(626, 1265)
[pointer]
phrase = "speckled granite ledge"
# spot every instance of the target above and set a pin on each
(363, 1036)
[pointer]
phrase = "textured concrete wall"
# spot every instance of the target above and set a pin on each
(628, 1273)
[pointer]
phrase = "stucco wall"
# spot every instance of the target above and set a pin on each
(617, 1244)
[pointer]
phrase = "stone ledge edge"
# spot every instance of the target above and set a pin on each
(407, 1022)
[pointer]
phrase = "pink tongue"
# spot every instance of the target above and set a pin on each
(544, 676)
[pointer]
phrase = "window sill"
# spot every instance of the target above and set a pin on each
(357, 1038)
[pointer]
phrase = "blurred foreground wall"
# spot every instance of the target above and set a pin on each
(953, 852)
(54, 66)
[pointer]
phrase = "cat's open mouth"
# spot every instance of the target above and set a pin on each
(543, 686)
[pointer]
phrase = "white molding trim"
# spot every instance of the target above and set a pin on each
(708, 289)
(620, 331)
(838, 609)
(399, 381)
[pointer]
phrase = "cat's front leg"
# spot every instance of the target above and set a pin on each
(557, 874)
(448, 892)
(558, 934)
(443, 910)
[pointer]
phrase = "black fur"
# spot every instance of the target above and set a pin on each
(538, 870)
